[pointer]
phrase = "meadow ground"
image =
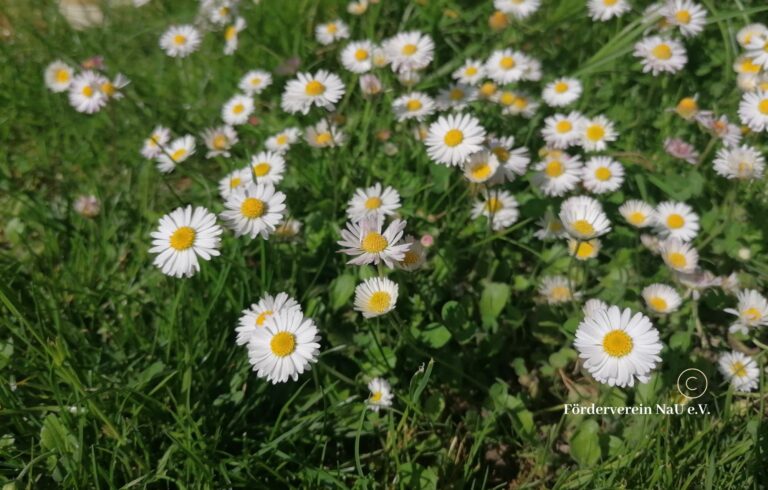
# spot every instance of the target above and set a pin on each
(114, 375)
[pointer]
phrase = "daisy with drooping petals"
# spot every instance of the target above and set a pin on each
(689, 17)
(678, 255)
(254, 317)
(112, 88)
(415, 257)
(637, 213)
(456, 97)
(729, 133)
(85, 93)
(219, 141)
(757, 49)
(480, 167)
(357, 56)
(370, 84)
(592, 306)
(180, 41)
(414, 105)
(561, 131)
(373, 201)
(740, 370)
(583, 218)
(550, 227)
(557, 175)
(604, 10)
(255, 81)
(618, 347)
(332, 31)
(375, 297)
(369, 245)
(743, 163)
(562, 92)
(520, 105)
(176, 152)
(58, 76)
(500, 207)
(556, 290)
(285, 347)
(506, 66)
(661, 55)
(470, 73)
(584, 250)
(676, 220)
(596, 133)
(381, 394)
(513, 161)
(520, 9)
(218, 12)
(282, 141)
(753, 110)
(747, 33)
(661, 299)
(231, 35)
(409, 51)
(322, 89)
(267, 167)
(357, 7)
(680, 149)
(602, 174)
(453, 138)
(153, 146)
(323, 135)
(237, 179)
(237, 110)
(254, 210)
(181, 237)
(752, 311)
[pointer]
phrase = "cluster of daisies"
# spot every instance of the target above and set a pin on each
(221, 16)
(88, 90)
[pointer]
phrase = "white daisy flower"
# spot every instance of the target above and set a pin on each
(745, 65)
(520, 105)
(602, 174)
(678, 255)
(661, 299)
(153, 146)
(322, 135)
(254, 210)
(369, 245)
(470, 73)
(58, 76)
(520, 9)
(456, 97)
(638, 213)
(376, 296)
(618, 347)
(282, 141)
(556, 290)
(592, 306)
(85, 93)
(409, 51)
(111, 88)
(751, 311)
(331, 31)
(255, 81)
(453, 138)
(740, 370)
(583, 218)
(219, 141)
(596, 133)
(556, 176)
(180, 41)
(506, 66)
(267, 167)
(415, 257)
(749, 32)
(181, 237)
(237, 110)
(743, 163)
(357, 8)
(604, 10)
(289, 229)
(688, 16)
(381, 394)
(584, 249)
(370, 84)
(323, 89)
(357, 56)
(753, 110)
(413, 105)
(562, 92)
(676, 220)
(176, 152)
(660, 55)
(409, 78)
(729, 133)
(237, 179)
(256, 316)
(287, 346)
(500, 207)
(550, 227)
(231, 35)
(218, 12)
(757, 49)
(480, 167)
(514, 161)
(373, 201)
(561, 131)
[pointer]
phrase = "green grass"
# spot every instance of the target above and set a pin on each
(115, 376)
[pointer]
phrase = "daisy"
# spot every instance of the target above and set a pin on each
(596, 133)
(219, 12)
(602, 174)
(286, 347)
(370, 84)
(282, 141)
(267, 167)
(687, 108)
(453, 138)
(409, 78)
(237, 110)
(487, 90)
(87, 206)
(555, 176)
(562, 92)
(676, 220)
(375, 297)
(746, 65)
(255, 81)
(415, 257)
(373, 201)
(584, 250)
(752, 311)
(638, 213)
(506, 66)
(85, 93)
(322, 135)
(409, 51)
(254, 317)
(290, 228)
(618, 347)
(58, 76)
(254, 210)
(480, 167)
(456, 97)
(219, 141)
(513, 161)
(740, 370)
(661, 299)
(470, 73)
(111, 88)
(357, 8)
(357, 56)
(555, 290)
(550, 227)
(237, 179)
(231, 34)
(322, 89)
(603, 10)
(180, 41)
(520, 9)
(500, 207)
(729, 133)
(365, 241)
(743, 163)
(413, 105)
(176, 152)
(331, 31)
(381, 394)
(689, 17)
(680, 149)
(181, 237)
(521, 105)
(757, 49)
(659, 55)
(752, 31)
(753, 110)
(561, 131)
(678, 255)
(592, 306)
(583, 218)
(153, 146)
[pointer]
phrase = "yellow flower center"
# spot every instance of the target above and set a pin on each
(637, 218)
(561, 87)
(658, 303)
(744, 169)
(409, 49)
(108, 89)
(281, 139)
(376, 397)
(481, 171)
(507, 62)
(219, 142)
(323, 138)
(261, 169)
(183, 238)
(374, 243)
(283, 344)
(560, 293)
(675, 221)
(234, 182)
(178, 154)
(752, 314)
(62, 76)
(373, 203)
(263, 317)
(603, 174)
(314, 88)
(487, 89)
(179, 39)
(747, 66)
(331, 28)
(521, 102)
(379, 302)
(238, 108)
(617, 343)
(457, 94)
(583, 227)
(493, 204)
(738, 369)
(677, 260)
(252, 208)
(88, 91)
(410, 258)
(501, 154)
(470, 71)
(585, 250)
(563, 126)
(256, 81)
(683, 16)
(361, 55)
(453, 137)
(507, 98)
(554, 168)
(595, 132)
(413, 105)
(687, 107)
(662, 51)
(763, 107)
(230, 33)
(609, 3)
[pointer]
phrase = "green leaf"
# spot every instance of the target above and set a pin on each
(585, 443)
(435, 335)
(493, 300)
(342, 288)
